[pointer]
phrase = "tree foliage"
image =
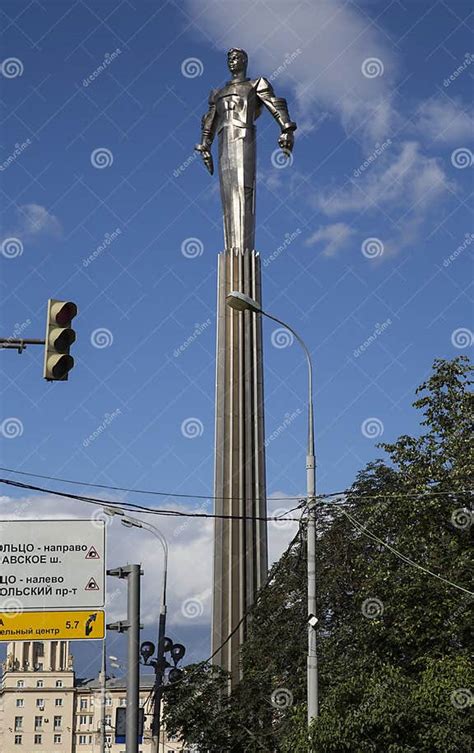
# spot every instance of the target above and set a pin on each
(392, 638)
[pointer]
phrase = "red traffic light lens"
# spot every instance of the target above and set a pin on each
(66, 313)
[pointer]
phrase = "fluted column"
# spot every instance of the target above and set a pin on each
(240, 548)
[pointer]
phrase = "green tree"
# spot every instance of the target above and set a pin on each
(392, 638)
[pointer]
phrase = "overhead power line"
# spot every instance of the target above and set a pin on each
(131, 506)
(180, 495)
(360, 527)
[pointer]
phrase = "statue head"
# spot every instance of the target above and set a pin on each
(237, 60)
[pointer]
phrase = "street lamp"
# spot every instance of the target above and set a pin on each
(130, 522)
(241, 302)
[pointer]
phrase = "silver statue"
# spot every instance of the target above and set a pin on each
(232, 114)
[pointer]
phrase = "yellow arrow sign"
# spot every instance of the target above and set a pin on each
(48, 626)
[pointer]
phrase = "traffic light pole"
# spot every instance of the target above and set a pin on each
(132, 626)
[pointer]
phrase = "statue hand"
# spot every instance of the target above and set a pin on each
(286, 141)
(206, 157)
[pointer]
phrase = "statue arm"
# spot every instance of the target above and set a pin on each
(278, 107)
(208, 130)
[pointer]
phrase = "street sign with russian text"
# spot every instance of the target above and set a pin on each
(52, 564)
(48, 626)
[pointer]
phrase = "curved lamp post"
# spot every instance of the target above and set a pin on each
(130, 522)
(241, 302)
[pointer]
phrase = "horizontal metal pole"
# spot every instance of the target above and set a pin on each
(17, 342)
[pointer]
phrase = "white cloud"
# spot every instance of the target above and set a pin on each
(411, 180)
(190, 555)
(318, 48)
(334, 237)
(36, 220)
(445, 120)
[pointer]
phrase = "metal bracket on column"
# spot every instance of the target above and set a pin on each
(121, 572)
(121, 626)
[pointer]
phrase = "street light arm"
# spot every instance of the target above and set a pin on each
(310, 377)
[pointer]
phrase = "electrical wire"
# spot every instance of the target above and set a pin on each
(177, 495)
(398, 554)
(178, 513)
(142, 508)
(247, 613)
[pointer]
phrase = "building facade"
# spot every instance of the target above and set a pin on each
(44, 708)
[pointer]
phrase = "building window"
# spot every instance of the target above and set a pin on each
(57, 738)
(18, 739)
(83, 719)
(57, 722)
(82, 739)
(39, 683)
(58, 702)
(123, 702)
(38, 739)
(38, 722)
(40, 702)
(108, 701)
(20, 702)
(20, 683)
(59, 683)
(18, 723)
(84, 703)
(108, 720)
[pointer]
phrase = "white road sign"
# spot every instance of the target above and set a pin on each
(51, 564)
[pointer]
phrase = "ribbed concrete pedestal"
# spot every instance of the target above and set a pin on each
(240, 547)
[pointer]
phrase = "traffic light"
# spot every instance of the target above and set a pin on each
(59, 338)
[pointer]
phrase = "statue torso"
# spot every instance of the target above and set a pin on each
(237, 105)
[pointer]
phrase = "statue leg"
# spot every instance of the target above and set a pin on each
(237, 160)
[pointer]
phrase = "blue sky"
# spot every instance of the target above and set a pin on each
(365, 238)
